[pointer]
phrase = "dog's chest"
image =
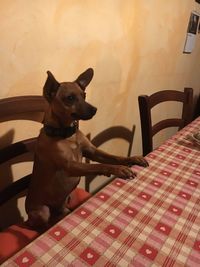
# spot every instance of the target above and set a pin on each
(76, 152)
(71, 150)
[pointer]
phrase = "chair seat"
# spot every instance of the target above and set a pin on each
(77, 197)
(17, 236)
(14, 238)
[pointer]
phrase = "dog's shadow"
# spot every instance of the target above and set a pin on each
(10, 209)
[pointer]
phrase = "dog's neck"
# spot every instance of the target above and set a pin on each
(62, 132)
(53, 127)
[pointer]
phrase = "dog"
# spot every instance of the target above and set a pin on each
(60, 147)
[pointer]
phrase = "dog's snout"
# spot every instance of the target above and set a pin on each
(87, 112)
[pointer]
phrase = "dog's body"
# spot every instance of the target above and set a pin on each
(60, 148)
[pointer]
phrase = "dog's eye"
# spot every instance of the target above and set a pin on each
(70, 98)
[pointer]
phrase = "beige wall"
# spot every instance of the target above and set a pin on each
(134, 46)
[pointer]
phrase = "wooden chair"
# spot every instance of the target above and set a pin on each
(146, 103)
(29, 108)
(19, 108)
(115, 132)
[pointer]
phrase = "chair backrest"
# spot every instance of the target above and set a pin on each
(146, 103)
(114, 132)
(19, 108)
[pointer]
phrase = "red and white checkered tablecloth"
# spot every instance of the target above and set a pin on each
(153, 220)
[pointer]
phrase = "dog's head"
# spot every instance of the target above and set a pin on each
(67, 99)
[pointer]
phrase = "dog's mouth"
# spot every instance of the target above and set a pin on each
(82, 117)
(75, 116)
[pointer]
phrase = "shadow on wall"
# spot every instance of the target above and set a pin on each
(119, 133)
(6, 178)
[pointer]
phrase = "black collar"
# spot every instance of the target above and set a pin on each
(62, 132)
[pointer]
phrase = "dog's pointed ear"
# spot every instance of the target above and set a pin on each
(85, 78)
(50, 87)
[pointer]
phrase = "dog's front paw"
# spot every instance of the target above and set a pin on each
(137, 160)
(123, 172)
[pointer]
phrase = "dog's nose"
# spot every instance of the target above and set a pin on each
(93, 111)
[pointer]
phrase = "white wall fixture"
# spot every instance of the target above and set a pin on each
(191, 32)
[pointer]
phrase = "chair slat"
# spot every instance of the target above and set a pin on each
(14, 189)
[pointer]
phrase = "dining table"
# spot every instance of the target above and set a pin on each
(152, 220)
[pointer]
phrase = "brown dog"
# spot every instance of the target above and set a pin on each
(60, 147)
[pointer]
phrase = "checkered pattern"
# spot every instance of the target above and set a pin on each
(153, 220)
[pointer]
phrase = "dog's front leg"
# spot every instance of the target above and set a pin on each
(98, 155)
(73, 168)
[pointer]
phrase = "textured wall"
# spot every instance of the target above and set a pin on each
(134, 46)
